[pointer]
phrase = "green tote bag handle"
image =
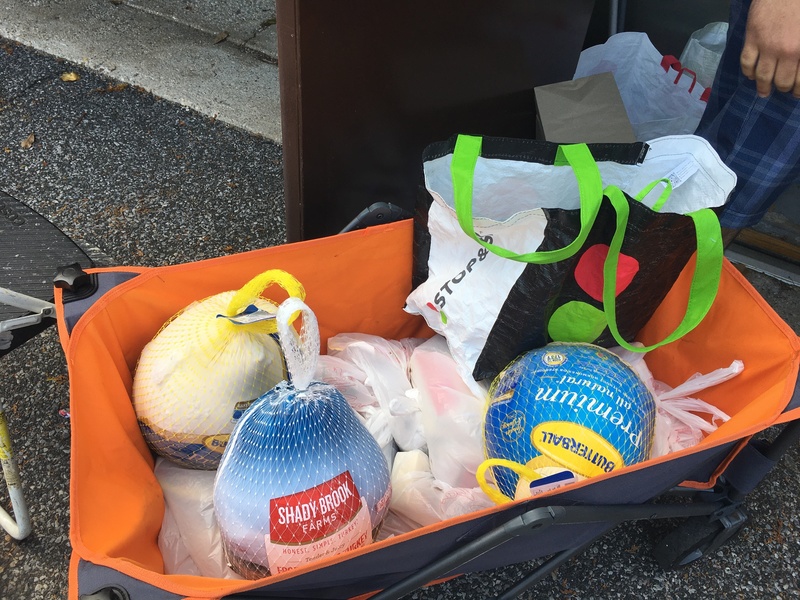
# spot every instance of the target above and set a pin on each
(590, 186)
(708, 268)
(705, 280)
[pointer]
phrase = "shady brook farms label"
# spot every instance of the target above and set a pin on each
(575, 406)
(327, 519)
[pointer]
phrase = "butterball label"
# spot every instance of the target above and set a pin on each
(578, 406)
(576, 447)
(600, 407)
(217, 443)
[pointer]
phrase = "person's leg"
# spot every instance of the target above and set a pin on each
(758, 138)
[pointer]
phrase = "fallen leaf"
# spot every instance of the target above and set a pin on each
(70, 76)
(28, 142)
(221, 37)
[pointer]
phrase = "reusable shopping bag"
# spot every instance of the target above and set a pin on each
(528, 247)
(661, 96)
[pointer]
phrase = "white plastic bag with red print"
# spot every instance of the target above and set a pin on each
(660, 96)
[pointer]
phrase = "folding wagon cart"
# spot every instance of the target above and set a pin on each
(358, 282)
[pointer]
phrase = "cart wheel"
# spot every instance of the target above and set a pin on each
(695, 538)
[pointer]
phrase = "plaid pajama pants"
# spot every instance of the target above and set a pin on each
(758, 138)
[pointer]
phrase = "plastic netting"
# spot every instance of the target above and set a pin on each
(205, 367)
(302, 478)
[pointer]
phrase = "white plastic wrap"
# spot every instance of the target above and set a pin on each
(385, 364)
(678, 421)
(704, 50)
(452, 416)
(189, 538)
(349, 380)
(418, 497)
(414, 385)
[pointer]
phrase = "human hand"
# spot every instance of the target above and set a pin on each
(771, 52)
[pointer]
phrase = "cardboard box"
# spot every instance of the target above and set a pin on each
(587, 110)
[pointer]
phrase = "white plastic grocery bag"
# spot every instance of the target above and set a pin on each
(660, 96)
(703, 51)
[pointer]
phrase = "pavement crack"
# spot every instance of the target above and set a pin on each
(18, 99)
(263, 26)
(216, 36)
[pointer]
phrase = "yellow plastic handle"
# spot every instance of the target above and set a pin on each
(494, 494)
(253, 289)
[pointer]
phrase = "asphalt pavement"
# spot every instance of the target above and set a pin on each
(218, 57)
(150, 181)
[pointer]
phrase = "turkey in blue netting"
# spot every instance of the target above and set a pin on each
(301, 477)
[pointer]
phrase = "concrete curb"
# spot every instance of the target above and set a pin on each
(177, 61)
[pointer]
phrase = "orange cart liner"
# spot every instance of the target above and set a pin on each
(358, 282)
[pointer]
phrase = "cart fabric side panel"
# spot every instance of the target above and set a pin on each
(95, 579)
(739, 326)
(106, 280)
(358, 282)
(387, 564)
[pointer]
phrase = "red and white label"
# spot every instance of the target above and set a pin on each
(324, 520)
